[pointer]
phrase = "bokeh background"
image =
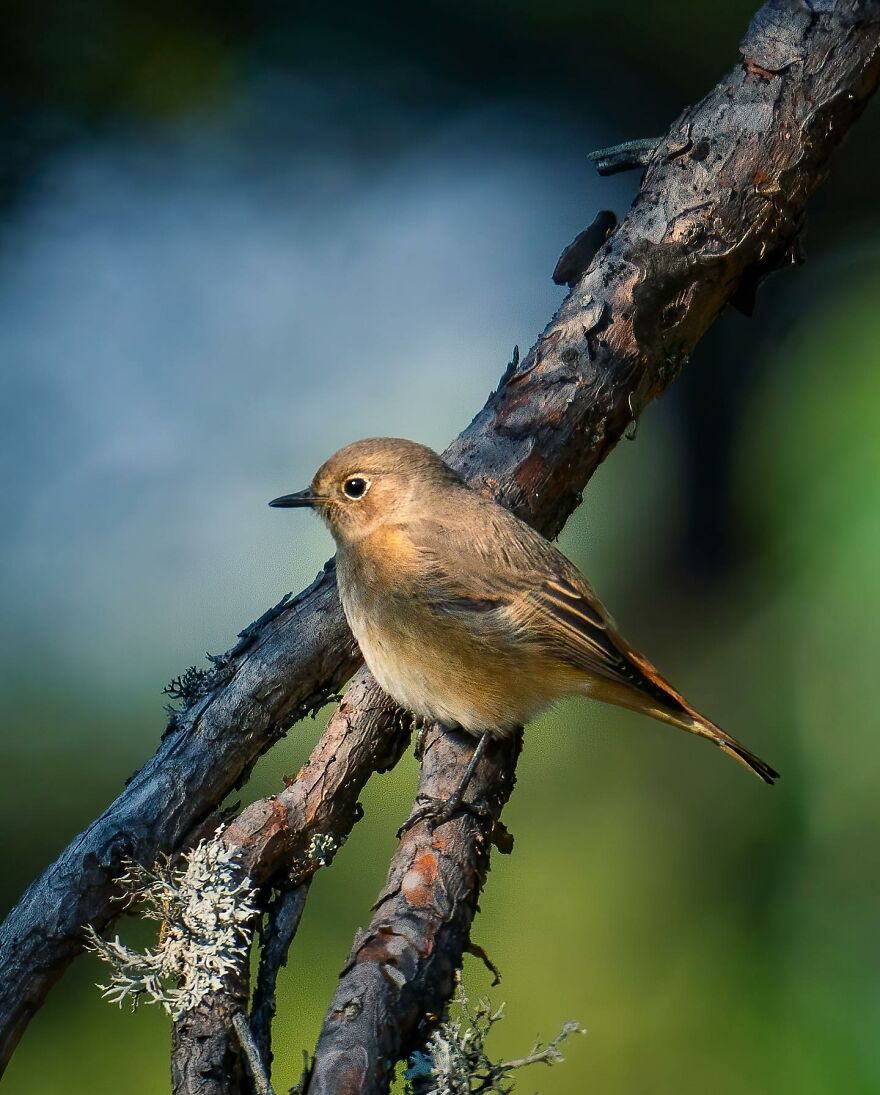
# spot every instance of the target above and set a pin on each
(232, 239)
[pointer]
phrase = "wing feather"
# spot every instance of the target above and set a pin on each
(530, 593)
(484, 570)
(580, 631)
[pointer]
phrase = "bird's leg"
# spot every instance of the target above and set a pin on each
(438, 811)
(457, 796)
(419, 748)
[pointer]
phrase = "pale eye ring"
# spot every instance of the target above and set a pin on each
(355, 487)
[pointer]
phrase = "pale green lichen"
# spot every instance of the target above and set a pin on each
(322, 848)
(206, 911)
(455, 1060)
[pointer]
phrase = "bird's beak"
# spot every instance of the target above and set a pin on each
(298, 500)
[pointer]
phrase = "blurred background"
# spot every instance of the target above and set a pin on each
(233, 239)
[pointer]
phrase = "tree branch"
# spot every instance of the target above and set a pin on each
(723, 196)
(297, 831)
(727, 189)
(251, 1051)
(401, 972)
(283, 667)
(205, 1060)
(282, 923)
(624, 157)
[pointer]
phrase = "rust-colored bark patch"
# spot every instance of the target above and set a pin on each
(417, 886)
(531, 474)
(273, 823)
(754, 69)
(376, 947)
(350, 1081)
(440, 842)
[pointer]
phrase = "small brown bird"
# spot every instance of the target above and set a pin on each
(465, 614)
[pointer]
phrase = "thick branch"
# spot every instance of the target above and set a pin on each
(724, 195)
(727, 191)
(277, 672)
(401, 971)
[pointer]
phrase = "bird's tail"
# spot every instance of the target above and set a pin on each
(697, 724)
(647, 691)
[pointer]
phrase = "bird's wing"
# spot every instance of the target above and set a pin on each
(499, 574)
(451, 576)
(481, 564)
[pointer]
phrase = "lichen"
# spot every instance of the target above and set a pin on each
(322, 848)
(206, 912)
(455, 1060)
(189, 686)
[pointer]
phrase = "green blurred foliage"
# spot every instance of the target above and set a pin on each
(710, 933)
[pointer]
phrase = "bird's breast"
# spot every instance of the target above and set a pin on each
(436, 664)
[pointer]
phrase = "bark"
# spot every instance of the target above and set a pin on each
(721, 204)
(277, 672)
(204, 1061)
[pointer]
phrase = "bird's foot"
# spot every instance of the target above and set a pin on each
(437, 811)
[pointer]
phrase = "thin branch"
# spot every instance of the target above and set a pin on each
(618, 340)
(282, 923)
(540, 1054)
(251, 1051)
(456, 1058)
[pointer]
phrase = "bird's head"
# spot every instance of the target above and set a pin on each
(370, 483)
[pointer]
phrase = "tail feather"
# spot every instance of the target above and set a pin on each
(695, 723)
(735, 749)
(584, 636)
(674, 709)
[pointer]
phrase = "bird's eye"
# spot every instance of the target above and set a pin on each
(356, 487)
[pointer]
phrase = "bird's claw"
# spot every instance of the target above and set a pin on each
(437, 811)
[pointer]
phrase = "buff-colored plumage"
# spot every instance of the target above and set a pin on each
(465, 614)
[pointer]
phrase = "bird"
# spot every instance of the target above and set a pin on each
(466, 615)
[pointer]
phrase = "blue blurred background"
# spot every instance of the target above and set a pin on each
(231, 241)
